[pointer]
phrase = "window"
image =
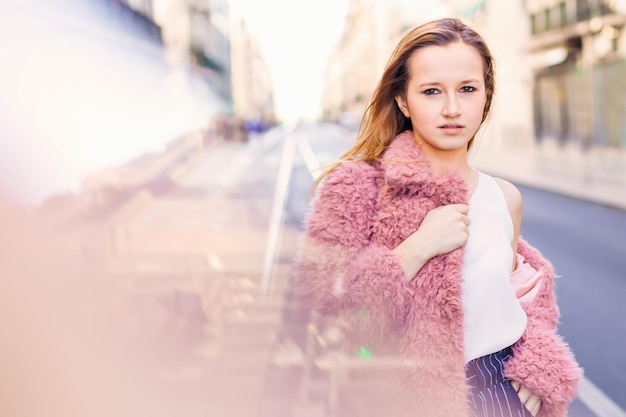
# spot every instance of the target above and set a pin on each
(533, 24)
(583, 11)
(562, 15)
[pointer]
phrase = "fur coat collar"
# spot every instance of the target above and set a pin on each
(406, 171)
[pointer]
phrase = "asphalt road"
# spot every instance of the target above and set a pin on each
(586, 244)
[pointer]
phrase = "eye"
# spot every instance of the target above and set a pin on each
(468, 89)
(431, 91)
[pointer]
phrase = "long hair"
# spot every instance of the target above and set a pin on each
(382, 119)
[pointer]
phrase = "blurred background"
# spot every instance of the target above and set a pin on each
(156, 158)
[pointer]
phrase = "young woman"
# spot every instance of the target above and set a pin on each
(421, 253)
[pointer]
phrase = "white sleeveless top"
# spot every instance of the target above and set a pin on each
(494, 318)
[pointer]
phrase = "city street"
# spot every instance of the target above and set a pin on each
(150, 220)
(183, 290)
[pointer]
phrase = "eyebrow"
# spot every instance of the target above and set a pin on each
(435, 83)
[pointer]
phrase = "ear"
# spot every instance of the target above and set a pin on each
(402, 106)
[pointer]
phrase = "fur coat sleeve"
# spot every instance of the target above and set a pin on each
(338, 268)
(541, 360)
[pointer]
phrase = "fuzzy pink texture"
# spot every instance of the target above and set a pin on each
(345, 267)
(542, 361)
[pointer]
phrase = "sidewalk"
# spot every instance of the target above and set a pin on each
(598, 176)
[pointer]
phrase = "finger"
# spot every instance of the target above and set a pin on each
(462, 208)
(533, 404)
(524, 394)
(459, 208)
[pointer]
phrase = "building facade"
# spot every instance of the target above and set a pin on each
(578, 50)
(197, 32)
(252, 85)
(354, 66)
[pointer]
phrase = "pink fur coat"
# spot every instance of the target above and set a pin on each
(345, 267)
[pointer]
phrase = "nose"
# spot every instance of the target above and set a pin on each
(451, 106)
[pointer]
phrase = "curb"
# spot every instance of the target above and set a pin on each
(614, 200)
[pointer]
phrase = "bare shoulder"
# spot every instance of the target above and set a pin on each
(511, 193)
(513, 197)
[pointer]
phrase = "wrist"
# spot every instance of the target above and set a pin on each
(411, 261)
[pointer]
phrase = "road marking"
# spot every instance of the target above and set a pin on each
(597, 401)
(278, 210)
(310, 160)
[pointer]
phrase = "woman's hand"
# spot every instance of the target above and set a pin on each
(530, 400)
(443, 229)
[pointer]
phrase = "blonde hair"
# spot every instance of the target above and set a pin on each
(382, 119)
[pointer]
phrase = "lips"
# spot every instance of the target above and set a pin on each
(451, 128)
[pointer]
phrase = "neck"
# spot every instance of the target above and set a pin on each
(443, 163)
(446, 162)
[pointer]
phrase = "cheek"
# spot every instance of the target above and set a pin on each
(476, 107)
(424, 109)
(421, 117)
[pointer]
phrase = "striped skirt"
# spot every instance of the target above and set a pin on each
(491, 394)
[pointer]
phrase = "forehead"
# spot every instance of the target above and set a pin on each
(455, 61)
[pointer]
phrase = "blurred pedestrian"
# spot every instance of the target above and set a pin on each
(422, 254)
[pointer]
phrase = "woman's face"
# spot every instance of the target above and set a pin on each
(445, 96)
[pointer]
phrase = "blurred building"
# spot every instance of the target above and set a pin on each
(373, 28)
(197, 32)
(578, 50)
(355, 65)
(252, 85)
(127, 18)
(142, 6)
